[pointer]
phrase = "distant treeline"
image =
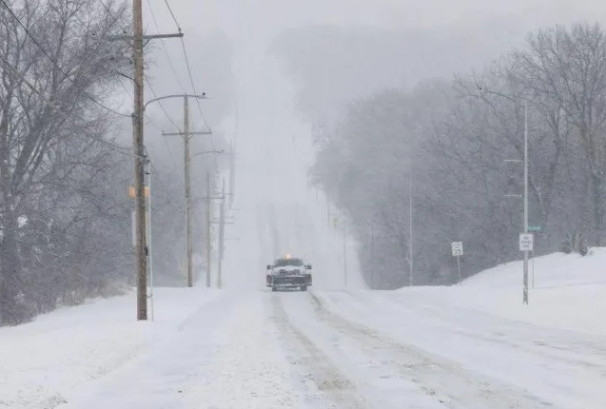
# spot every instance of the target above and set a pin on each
(460, 143)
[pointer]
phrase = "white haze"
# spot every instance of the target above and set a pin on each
(272, 77)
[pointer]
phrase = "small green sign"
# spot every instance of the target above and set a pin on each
(535, 228)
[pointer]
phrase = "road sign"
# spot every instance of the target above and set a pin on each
(535, 228)
(457, 248)
(526, 242)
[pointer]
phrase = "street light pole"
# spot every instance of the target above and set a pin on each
(372, 255)
(345, 256)
(525, 291)
(410, 231)
(186, 160)
(149, 240)
(208, 231)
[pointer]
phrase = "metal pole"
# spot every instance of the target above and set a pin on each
(186, 160)
(532, 268)
(149, 240)
(525, 291)
(232, 175)
(344, 257)
(459, 268)
(141, 246)
(372, 255)
(221, 238)
(208, 215)
(410, 232)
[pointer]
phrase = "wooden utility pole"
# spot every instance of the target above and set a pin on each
(141, 245)
(141, 250)
(186, 134)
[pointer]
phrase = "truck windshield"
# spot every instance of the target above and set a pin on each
(281, 262)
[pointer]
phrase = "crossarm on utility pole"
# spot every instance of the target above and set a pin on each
(189, 133)
(146, 37)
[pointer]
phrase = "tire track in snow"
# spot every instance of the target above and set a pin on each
(453, 385)
(583, 352)
(329, 383)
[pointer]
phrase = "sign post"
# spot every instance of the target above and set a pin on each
(457, 251)
(526, 245)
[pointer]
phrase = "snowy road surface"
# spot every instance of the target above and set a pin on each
(364, 349)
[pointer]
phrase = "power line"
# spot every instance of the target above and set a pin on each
(52, 60)
(170, 61)
(172, 14)
(193, 85)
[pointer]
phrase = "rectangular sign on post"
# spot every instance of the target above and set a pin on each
(526, 242)
(457, 248)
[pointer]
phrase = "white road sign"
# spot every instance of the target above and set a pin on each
(457, 248)
(526, 241)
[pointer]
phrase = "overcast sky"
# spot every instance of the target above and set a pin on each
(314, 56)
(221, 35)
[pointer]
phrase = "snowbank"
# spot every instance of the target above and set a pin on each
(569, 292)
(70, 347)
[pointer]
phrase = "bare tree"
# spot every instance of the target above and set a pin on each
(55, 64)
(564, 71)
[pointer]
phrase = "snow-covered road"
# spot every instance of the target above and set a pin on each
(321, 349)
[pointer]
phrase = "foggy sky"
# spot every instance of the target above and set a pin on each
(217, 31)
(270, 74)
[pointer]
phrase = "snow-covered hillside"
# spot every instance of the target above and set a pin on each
(568, 291)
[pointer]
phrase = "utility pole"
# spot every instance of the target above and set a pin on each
(528, 245)
(410, 228)
(186, 134)
(208, 225)
(141, 245)
(525, 291)
(141, 251)
(221, 238)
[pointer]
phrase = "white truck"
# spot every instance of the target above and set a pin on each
(288, 272)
